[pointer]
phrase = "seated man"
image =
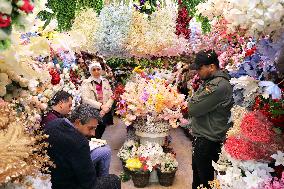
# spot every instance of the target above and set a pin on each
(69, 150)
(61, 107)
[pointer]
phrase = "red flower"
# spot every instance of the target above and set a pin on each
(5, 20)
(55, 76)
(27, 6)
(145, 167)
(257, 128)
(250, 52)
(244, 150)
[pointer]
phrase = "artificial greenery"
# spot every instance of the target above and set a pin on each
(191, 8)
(64, 11)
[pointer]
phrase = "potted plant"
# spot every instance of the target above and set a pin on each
(127, 151)
(140, 172)
(151, 105)
(167, 169)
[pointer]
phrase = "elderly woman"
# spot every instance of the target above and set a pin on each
(96, 91)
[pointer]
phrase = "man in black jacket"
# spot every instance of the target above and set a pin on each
(69, 150)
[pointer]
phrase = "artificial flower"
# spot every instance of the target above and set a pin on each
(5, 20)
(6, 7)
(279, 158)
(25, 5)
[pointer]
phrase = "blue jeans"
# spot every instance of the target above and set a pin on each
(101, 158)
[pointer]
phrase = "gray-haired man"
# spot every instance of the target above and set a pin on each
(69, 150)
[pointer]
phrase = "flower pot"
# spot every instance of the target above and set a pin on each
(166, 179)
(140, 179)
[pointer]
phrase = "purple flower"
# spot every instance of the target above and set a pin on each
(145, 96)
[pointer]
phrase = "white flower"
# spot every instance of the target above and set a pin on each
(33, 84)
(279, 157)
(6, 7)
(23, 82)
(252, 179)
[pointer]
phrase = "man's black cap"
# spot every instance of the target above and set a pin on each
(204, 57)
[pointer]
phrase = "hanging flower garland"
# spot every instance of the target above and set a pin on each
(155, 35)
(110, 38)
(86, 23)
(183, 19)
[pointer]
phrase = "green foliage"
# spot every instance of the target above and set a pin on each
(205, 23)
(191, 8)
(124, 177)
(64, 11)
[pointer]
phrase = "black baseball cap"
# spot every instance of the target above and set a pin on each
(204, 57)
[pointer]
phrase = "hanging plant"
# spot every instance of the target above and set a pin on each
(64, 11)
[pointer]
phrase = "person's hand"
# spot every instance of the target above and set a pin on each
(102, 113)
(105, 108)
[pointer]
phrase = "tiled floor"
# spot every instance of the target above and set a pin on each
(115, 136)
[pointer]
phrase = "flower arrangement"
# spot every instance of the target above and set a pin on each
(256, 139)
(257, 18)
(146, 157)
(128, 150)
(12, 13)
(153, 101)
(168, 163)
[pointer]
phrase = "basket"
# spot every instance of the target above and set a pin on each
(140, 179)
(166, 179)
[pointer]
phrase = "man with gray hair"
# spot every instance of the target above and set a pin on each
(69, 150)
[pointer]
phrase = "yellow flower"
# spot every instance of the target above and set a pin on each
(137, 70)
(133, 163)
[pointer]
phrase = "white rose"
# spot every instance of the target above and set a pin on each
(23, 82)
(33, 84)
(6, 7)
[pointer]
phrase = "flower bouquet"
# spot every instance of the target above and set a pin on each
(139, 171)
(127, 151)
(167, 169)
(152, 104)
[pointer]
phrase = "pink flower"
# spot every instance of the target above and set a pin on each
(257, 128)
(242, 149)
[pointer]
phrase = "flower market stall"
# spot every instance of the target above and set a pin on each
(148, 45)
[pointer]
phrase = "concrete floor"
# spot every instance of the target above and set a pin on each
(115, 136)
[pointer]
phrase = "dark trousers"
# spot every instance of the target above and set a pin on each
(100, 130)
(204, 152)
